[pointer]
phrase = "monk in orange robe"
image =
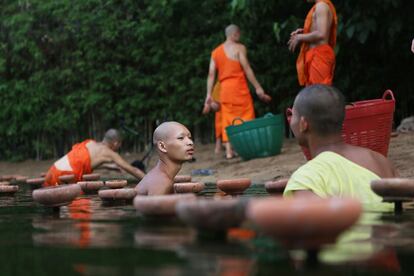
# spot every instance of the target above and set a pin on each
(230, 60)
(88, 155)
(316, 60)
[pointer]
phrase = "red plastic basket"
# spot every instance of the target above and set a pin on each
(367, 123)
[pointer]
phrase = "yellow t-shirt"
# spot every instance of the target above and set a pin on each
(330, 174)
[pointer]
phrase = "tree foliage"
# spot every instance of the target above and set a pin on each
(69, 69)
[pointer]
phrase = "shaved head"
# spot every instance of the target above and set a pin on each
(231, 29)
(165, 130)
(112, 135)
(324, 108)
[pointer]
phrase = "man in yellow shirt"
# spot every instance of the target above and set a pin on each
(338, 169)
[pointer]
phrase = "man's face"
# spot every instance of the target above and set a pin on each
(236, 36)
(179, 144)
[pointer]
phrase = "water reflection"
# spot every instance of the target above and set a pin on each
(88, 238)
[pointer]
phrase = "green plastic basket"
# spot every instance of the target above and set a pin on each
(260, 137)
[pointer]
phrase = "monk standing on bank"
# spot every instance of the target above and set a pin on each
(316, 60)
(230, 60)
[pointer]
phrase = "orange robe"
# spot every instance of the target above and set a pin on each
(217, 116)
(79, 160)
(235, 98)
(316, 65)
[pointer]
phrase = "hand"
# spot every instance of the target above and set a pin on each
(293, 42)
(206, 108)
(298, 31)
(262, 95)
(207, 102)
(412, 46)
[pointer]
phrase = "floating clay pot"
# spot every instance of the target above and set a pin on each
(189, 187)
(91, 177)
(116, 195)
(276, 186)
(304, 223)
(91, 186)
(6, 189)
(182, 178)
(214, 215)
(67, 179)
(116, 184)
(397, 190)
(35, 182)
(160, 205)
(57, 195)
(234, 186)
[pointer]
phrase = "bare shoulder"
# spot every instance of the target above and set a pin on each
(322, 7)
(241, 48)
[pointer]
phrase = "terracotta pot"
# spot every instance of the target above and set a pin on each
(114, 194)
(8, 189)
(8, 177)
(215, 215)
(189, 187)
(57, 195)
(116, 184)
(234, 186)
(277, 186)
(91, 177)
(4, 183)
(35, 181)
(393, 187)
(215, 106)
(160, 205)
(90, 186)
(68, 179)
(182, 178)
(21, 179)
(301, 222)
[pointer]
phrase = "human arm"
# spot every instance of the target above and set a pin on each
(412, 46)
(122, 164)
(110, 166)
(250, 75)
(210, 82)
(320, 33)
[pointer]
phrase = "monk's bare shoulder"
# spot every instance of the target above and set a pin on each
(322, 7)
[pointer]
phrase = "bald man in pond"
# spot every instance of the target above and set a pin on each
(174, 147)
(337, 169)
(88, 155)
(230, 60)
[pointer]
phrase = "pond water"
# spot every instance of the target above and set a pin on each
(89, 238)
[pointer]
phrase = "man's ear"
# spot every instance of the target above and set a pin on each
(303, 125)
(161, 146)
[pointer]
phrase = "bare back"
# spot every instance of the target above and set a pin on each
(232, 50)
(321, 22)
(368, 159)
(99, 154)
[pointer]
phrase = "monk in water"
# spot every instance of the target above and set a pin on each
(174, 147)
(338, 169)
(88, 155)
(316, 60)
(230, 60)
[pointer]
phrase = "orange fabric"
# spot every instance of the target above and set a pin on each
(80, 210)
(217, 120)
(52, 176)
(231, 112)
(303, 73)
(235, 98)
(320, 65)
(79, 160)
